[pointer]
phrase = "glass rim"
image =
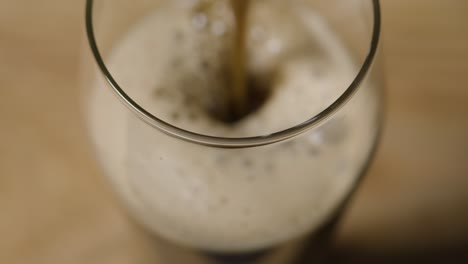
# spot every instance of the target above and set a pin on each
(234, 142)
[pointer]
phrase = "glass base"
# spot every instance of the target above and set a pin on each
(245, 258)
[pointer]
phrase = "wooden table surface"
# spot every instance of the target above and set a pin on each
(56, 208)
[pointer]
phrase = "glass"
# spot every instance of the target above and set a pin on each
(234, 190)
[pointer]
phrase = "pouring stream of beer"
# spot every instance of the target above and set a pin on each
(239, 92)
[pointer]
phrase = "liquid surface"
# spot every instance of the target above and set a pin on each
(172, 63)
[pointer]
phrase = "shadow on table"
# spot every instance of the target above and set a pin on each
(456, 254)
(317, 252)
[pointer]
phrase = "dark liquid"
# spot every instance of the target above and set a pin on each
(243, 93)
(245, 258)
(257, 92)
(246, 93)
(239, 89)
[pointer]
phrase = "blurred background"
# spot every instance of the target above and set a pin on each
(56, 208)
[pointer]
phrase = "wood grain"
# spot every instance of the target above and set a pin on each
(56, 208)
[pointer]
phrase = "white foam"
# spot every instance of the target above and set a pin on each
(231, 200)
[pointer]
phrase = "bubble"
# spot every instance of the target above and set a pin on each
(199, 21)
(224, 200)
(175, 116)
(257, 33)
(220, 8)
(269, 167)
(248, 163)
(192, 116)
(319, 72)
(188, 3)
(188, 98)
(204, 64)
(333, 132)
(289, 144)
(313, 151)
(178, 36)
(218, 28)
(274, 45)
(160, 92)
